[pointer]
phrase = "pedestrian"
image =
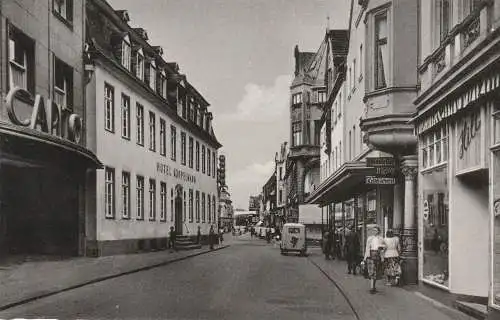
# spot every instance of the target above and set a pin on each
(352, 246)
(326, 245)
(221, 235)
(391, 258)
(171, 239)
(198, 235)
(211, 237)
(373, 257)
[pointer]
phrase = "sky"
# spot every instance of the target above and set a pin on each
(239, 56)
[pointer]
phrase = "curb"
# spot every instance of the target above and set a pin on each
(100, 279)
(439, 305)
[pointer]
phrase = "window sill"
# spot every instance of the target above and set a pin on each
(163, 220)
(110, 217)
(109, 130)
(152, 150)
(152, 219)
(125, 218)
(139, 219)
(434, 167)
(65, 21)
(126, 138)
(140, 144)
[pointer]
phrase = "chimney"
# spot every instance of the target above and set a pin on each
(123, 14)
(158, 50)
(142, 33)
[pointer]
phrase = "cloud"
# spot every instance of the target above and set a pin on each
(253, 173)
(261, 103)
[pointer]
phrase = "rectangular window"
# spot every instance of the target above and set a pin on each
(213, 164)
(139, 69)
(208, 162)
(202, 159)
(203, 207)
(125, 116)
(152, 76)
(297, 133)
(63, 84)
(470, 6)
(126, 55)
(109, 108)
(197, 206)
(191, 152)
(125, 195)
(21, 60)
(281, 173)
(109, 192)
(163, 201)
(280, 196)
(321, 96)
(191, 206)
(444, 18)
(163, 137)
(152, 131)
(162, 85)
(297, 98)
(64, 9)
(140, 124)
(209, 208)
(173, 143)
(140, 198)
(434, 147)
(214, 211)
(152, 199)
(197, 156)
(183, 148)
(381, 52)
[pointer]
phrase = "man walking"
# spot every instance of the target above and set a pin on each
(211, 237)
(171, 239)
(352, 246)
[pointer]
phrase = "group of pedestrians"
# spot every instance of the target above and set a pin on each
(213, 237)
(381, 254)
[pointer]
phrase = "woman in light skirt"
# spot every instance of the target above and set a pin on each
(373, 257)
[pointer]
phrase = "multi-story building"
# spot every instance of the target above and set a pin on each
(154, 133)
(269, 200)
(42, 111)
(281, 191)
(458, 128)
(374, 181)
(308, 94)
(225, 209)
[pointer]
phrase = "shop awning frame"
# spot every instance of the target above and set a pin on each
(348, 180)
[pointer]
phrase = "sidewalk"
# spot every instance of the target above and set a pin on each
(21, 283)
(389, 303)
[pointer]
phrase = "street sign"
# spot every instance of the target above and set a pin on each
(426, 210)
(379, 180)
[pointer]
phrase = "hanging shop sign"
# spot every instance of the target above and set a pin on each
(379, 180)
(50, 118)
(469, 148)
(441, 112)
(165, 169)
(384, 166)
(426, 209)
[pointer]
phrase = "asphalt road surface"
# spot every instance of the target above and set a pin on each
(249, 280)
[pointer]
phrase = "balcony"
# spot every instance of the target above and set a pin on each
(304, 151)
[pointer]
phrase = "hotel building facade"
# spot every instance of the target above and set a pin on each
(153, 131)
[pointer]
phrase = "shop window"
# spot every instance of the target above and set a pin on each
(109, 108)
(202, 159)
(125, 195)
(152, 131)
(183, 148)
(140, 198)
(125, 116)
(381, 51)
(197, 156)
(63, 84)
(109, 192)
(64, 9)
(191, 152)
(173, 143)
(163, 137)
(152, 199)
(140, 124)
(434, 149)
(435, 221)
(21, 60)
(163, 201)
(191, 209)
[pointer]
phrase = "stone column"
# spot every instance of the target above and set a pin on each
(398, 207)
(409, 168)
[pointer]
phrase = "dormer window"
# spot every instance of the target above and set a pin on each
(139, 66)
(162, 85)
(152, 75)
(126, 53)
(198, 117)
(192, 115)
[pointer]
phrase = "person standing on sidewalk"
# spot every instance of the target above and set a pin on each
(352, 246)
(211, 237)
(198, 235)
(171, 239)
(391, 258)
(373, 257)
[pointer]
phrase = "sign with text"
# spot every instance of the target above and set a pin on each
(379, 180)
(384, 166)
(469, 148)
(176, 173)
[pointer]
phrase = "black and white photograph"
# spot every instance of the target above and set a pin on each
(250, 159)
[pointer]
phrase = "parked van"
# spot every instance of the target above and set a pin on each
(293, 238)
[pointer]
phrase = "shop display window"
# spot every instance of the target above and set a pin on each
(496, 228)
(434, 147)
(435, 222)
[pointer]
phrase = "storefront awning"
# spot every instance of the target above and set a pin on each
(349, 179)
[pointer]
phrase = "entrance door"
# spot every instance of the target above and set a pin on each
(178, 215)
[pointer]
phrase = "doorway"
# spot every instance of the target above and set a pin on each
(178, 215)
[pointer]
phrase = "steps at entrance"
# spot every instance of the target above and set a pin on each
(186, 243)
